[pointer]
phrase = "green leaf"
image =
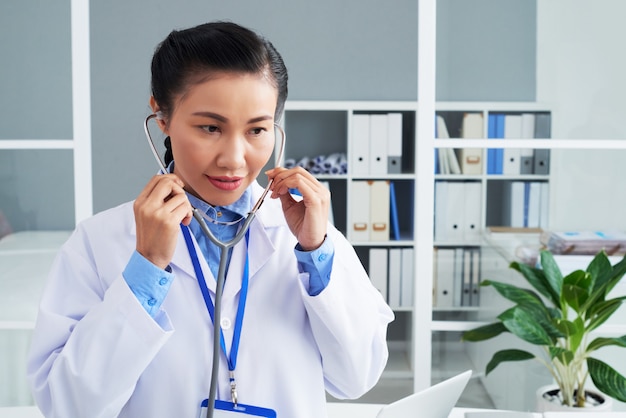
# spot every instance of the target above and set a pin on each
(607, 379)
(484, 332)
(537, 279)
(507, 355)
(563, 355)
(606, 279)
(568, 328)
(576, 338)
(599, 269)
(525, 325)
(552, 273)
(603, 311)
(517, 295)
(603, 342)
(576, 286)
(617, 273)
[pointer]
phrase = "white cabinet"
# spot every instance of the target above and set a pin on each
(374, 199)
(373, 195)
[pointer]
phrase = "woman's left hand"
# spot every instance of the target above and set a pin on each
(307, 218)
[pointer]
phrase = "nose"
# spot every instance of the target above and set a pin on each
(232, 151)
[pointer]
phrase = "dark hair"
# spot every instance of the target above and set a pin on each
(186, 56)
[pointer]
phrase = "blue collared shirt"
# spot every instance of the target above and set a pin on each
(150, 283)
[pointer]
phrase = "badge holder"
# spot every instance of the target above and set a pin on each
(225, 409)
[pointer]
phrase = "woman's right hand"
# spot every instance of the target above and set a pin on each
(159, 210)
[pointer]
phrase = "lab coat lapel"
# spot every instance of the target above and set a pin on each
(182, 261)
(260, 250)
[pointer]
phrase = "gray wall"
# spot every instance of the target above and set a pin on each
(36, 186)
(348, 50)
(486, 50)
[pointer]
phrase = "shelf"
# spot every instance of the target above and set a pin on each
(455, 325)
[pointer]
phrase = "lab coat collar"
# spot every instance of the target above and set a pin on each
(259, 241)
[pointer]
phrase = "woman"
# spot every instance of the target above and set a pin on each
(123, 328)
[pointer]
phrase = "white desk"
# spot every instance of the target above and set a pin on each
(335, 410)
(363, 410)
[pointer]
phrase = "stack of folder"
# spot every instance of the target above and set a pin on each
(467, 161)
(458, 211)
(373, 211)
(456, 281)
(376, 144)
(514, 161)
(584, 242)
(391, 271)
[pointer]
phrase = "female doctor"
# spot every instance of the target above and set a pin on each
(123, 329)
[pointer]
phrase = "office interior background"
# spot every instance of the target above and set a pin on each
(563, 54)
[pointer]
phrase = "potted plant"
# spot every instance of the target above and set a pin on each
(559, 314)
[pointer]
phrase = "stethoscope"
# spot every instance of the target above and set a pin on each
(223, 246)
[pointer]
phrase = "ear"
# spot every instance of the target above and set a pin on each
(159, 120)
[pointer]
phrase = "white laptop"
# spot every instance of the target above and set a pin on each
(434, 402)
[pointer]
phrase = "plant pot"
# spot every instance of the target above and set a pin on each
(548, 400)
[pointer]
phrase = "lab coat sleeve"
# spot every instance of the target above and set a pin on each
(349, 320)
(91, 341)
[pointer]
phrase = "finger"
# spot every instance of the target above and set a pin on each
(158, 182)
(292, 178)
(164, 191)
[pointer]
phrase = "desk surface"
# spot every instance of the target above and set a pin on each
(363, 410)
(335, 410)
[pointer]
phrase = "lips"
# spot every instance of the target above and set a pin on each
(226, 183)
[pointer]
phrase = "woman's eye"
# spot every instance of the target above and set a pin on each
(258, 131)
(210, 128)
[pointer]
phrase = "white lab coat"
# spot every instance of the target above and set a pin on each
(97, 353)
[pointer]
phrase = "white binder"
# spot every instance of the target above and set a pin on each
(472, 213)
(378, 144)
(378, 270)
(512, 130)
(379, 210)
(394, 143)
(360, 145)
(449, 211)
(406, 298)
(395, 277)
(359, 229)
(444, 279)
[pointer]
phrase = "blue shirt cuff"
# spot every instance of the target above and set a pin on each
(148, 282)
(318, 263)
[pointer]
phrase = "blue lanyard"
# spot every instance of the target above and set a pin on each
(232, 359)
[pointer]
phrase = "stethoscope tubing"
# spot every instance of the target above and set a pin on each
(224, 247)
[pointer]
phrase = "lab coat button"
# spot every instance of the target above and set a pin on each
(163, 281)
(152, 302)
(225, 323)
(322, 257)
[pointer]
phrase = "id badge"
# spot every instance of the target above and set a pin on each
(225, 409)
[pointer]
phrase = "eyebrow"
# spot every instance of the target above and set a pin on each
(225, 119)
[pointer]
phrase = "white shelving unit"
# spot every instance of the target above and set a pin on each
(335, 117)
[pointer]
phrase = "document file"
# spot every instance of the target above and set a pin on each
(359, 144)
(458, 211)
(394, 143)
(378, 144)
(378, 269)
(379, 210)
(512, 130)
(359, 211)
